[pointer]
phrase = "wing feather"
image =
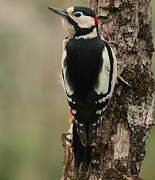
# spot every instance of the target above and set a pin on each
(108, 73)
(68, 89)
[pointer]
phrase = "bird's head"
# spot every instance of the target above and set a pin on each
(78, 21)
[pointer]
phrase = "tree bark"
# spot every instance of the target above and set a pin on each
(121, 139)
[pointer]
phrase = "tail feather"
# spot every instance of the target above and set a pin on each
(92, 131)
(82, 153)
(81, 130)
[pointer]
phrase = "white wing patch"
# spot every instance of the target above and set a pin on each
(114, 76)
(62, 61)
(104, 76)
(64, 79)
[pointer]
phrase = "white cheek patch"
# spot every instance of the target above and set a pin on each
(85, 21)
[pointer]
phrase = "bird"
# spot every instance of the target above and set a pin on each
(89, 75)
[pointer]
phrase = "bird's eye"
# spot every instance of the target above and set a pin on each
(77, 14)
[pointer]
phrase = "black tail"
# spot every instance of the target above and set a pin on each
(82, 154)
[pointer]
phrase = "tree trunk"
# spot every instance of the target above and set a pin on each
(121, 138)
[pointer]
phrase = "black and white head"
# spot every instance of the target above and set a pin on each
(80, 22)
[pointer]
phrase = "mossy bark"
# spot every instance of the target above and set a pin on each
(121, 138)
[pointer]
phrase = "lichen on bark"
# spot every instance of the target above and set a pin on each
(121, 139)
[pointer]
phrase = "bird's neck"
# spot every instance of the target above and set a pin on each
(83, 33)
(87, 33)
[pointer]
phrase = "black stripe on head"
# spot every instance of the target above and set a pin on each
(84, 10)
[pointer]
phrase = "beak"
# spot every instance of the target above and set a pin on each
(61, 12)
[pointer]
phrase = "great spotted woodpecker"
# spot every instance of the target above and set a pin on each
(89, 72)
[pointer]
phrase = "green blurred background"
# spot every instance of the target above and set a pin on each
(33, 110)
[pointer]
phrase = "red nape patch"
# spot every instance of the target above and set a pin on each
(96, 19)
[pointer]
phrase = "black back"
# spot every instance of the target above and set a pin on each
(83, 61)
